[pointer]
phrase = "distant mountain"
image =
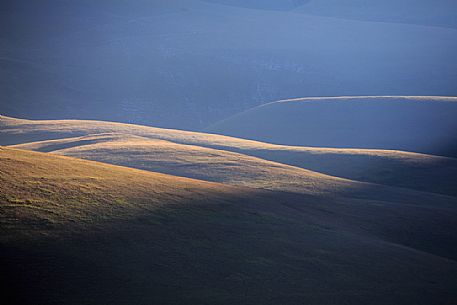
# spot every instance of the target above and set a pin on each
(188, 63)
(263, 4)
(417, 124)
(420, 12)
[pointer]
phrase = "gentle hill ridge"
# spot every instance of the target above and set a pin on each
(66, 187)
(109, 233)
(193, 161)
(70, 172)
(394, 168)
(217, 165)
(408, 123)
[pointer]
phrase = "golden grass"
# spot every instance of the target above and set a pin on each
(99, 229)
(192, 154)
(52, 190)
(59, 129)
(192, 161)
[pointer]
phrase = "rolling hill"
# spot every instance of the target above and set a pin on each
(83, 192)
(76, 231)
(345, 197)
(418, 124)
(415, 171)
(193, 162)
(227, 159)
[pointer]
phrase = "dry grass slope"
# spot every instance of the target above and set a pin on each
(77, 231)
(55, 191)
(192, 161)
(393, 168)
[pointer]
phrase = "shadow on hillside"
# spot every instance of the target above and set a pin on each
(282, 248)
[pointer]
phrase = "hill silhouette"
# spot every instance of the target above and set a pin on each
(417, 124)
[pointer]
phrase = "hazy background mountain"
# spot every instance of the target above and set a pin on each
(187, 64)
(421, 12)
(263, 4)
(417, 124)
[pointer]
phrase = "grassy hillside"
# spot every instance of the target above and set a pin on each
(76, 231)
(417, 124)
(193, 162)
(67, 189)
(155, 149)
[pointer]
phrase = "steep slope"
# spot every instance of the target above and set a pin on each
(75, 231)
(418, 124)
(394, 168)
(187, 63)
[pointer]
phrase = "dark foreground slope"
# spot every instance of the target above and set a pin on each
(80, 232)
(417, 124)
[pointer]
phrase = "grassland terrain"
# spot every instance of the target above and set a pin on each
(228, 152)
(77, 231)
(191, 161)
(424, 124)
(227, 159)
(205, 218)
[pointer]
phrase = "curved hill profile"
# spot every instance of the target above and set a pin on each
(221, 152)
(417, 124)
(194, 162)
(226, 159)
(103, 233)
